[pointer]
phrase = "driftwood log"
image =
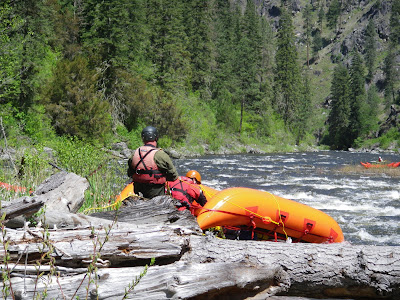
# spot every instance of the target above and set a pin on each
(100, 256)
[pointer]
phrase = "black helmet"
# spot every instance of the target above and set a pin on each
(149, 134)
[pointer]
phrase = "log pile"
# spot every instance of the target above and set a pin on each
(102, 256)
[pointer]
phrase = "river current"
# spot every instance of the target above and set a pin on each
(366, 206)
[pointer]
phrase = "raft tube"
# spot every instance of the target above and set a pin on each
(271, 214)
(209, 193)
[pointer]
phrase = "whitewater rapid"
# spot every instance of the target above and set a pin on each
(366, 206)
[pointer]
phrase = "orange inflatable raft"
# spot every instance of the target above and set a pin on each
(269, 215)
(368, 165)
(209, 193)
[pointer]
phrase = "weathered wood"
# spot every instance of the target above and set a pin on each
(21, 206)
(127, 244)
(55, 220)
(190, 265)
(179, 280)
(309, 270)
(332, 270)
(63, 192)
(158, 210)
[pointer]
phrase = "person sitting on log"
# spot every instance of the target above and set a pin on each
(186, 189)
(150, 167)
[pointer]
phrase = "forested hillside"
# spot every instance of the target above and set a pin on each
(204, 72)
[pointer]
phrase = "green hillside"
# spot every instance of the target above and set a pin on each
(208, 74)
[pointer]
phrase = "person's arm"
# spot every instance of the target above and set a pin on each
(202, 200)
(165, 165)
(130, 170)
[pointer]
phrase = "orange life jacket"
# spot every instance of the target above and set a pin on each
(145, 168)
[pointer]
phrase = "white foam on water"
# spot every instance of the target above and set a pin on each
(395, 195)
(336, 204)
(289, 160)
(229, 175)
(388, 211)
(340, 219)
(324, 186)
(215, 184)
(367, 237)
(290, 168)
(302, 196)
(219, 161)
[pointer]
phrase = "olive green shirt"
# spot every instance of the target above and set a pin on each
(165, 165)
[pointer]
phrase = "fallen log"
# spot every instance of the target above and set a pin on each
(119, 244)
(174, 281)
(328, 270)
(114, 248)
(22, 206)
(61, 193)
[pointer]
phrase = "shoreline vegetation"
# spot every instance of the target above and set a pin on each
(29, 165)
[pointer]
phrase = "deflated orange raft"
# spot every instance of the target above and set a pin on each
(270, 215)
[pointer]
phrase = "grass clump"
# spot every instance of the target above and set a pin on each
(359, 169)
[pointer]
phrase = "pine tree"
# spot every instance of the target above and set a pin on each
(225, 84)
(333, 14)
(390, 76)
(357, 96)
(168, 44)
(395, 23)
(76, 106)
(370, 49)
(197, 20)
(321, 15)
(339, 116)
(287, 74)
(307, 19)
(370, 112)
(305, 116)
(106, 36)
(30, 49)
(10, 53)
(317, 42)
(248, 58)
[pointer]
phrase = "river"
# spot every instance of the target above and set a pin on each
(366, 206)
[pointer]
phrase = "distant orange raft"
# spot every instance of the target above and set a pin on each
(270, 215)
(368, 165)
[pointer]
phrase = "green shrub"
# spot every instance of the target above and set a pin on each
(389, 138)
(78, 156)
(38, 125)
